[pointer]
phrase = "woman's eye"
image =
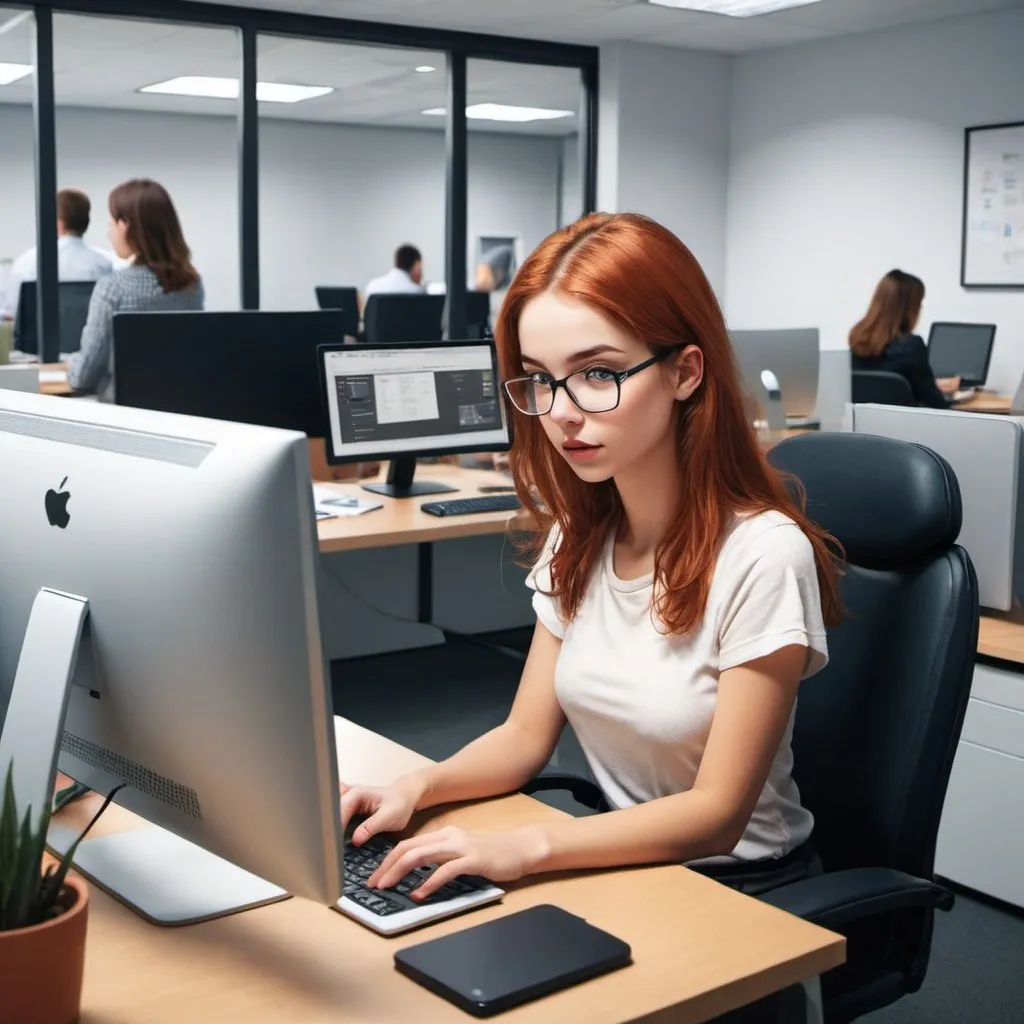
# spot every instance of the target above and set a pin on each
(600, 374)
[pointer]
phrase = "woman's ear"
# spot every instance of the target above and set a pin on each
(689, 369)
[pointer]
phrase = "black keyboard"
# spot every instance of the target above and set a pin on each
(466, 506)
(362, 861)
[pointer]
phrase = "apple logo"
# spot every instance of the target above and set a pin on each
(57, 506)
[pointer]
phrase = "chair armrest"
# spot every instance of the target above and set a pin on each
(583, 790)
(843, 897)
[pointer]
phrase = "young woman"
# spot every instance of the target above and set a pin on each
(144, 228)
(680, 595)
(885, 340)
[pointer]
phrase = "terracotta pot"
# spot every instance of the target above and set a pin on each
(41, 967)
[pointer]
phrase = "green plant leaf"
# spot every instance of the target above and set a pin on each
(51, 886)
(26, 881)
(8, 843)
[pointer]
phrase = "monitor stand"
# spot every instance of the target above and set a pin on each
(400, 483)
(166, 879)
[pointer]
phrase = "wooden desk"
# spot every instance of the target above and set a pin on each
(54, 387)
(400, 521)
(986, 401)
(1000, 638)
(699, 949)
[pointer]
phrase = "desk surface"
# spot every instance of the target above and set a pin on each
(986, 401)
(697, 946)
(400, 521)
(1000, 638)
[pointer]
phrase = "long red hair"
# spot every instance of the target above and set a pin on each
(638, 275)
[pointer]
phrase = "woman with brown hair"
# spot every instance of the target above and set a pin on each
(885, 340)
(681, 595)
(145, 229)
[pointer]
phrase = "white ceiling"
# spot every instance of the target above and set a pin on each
(603, 21)
(102, 62)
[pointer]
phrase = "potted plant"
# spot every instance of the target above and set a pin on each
(43, 914)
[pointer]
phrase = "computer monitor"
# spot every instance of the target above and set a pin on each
(792, 357)
(990, 486)
(344, 299)
(73, 299)
(403, 318)
(961, 350)
(249, 367)
(159, 577)
(399, 401)
(478, 317)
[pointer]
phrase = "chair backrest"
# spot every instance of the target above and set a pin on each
(344, 298)
(397, 318)
(877, 729)
(880, 387)
(73, 299)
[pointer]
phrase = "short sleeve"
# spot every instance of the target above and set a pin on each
(539, 581)
(768, 596)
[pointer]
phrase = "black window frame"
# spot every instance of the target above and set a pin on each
(459, 47)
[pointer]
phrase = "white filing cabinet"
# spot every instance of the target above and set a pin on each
(981, 838)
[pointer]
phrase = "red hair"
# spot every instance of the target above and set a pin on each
(639, 276)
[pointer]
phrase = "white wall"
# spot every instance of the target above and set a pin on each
(663, 143)
(335, 200)
(847, 161)
(572, 192)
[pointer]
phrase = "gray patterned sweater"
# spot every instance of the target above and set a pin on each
(133, 289)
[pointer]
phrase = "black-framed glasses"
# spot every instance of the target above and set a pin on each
(594, 389)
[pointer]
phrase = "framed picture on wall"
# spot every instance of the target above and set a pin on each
(500, 255)
(993, 213)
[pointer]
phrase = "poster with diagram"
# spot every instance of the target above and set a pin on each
(993, 231)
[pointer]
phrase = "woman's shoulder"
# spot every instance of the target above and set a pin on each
(765, 536)
(906, 345)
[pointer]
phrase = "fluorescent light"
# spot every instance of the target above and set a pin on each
(13, 72)
(425, 69)
(504, 112)
(227, 89)
(280, 92)
(734, 8)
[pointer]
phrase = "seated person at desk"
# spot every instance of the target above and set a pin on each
(76, 261)
(404, 278)
(681, 595)
(144, 228)
(885, 340)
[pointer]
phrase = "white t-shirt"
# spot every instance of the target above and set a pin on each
(395, 282)
(76, 261)
(641, 702)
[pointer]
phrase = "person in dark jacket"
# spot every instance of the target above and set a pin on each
(885, 340)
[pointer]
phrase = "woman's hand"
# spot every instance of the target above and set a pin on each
(948, 385)
(388, 808)
(499, 856)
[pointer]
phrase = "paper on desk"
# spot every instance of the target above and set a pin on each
(330, 503)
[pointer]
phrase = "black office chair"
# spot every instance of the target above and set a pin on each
(877, 729)
(880, 387)
(397, 318)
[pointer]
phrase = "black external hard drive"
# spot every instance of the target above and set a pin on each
(495, 966)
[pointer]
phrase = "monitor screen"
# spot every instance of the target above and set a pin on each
(961, 350)
(428, 399)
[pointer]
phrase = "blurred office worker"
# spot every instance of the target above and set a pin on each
(76, 261)
(144, 228)
(404, 278)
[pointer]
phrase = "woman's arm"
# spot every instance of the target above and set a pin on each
(505, 758)
(87, 366)
(754, 704)
(918, 372)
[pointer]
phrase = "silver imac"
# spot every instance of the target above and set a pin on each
(791, 356)
(158, 628)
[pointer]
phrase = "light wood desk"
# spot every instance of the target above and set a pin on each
(986, 401)
(54, 387)
(1000, 638)
(699, 949)
(401, 521)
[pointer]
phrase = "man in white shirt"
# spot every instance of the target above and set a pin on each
(76, 261)
(404, 278)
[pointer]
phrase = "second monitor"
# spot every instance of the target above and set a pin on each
(961, 350)
(399, 401)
